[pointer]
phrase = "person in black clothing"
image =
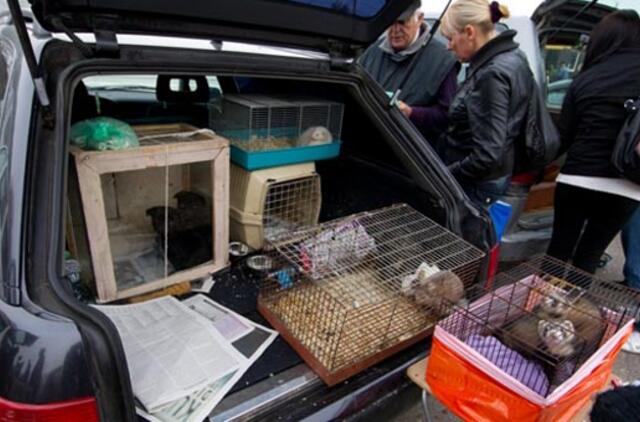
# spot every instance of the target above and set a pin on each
(488, 113)
(592, 202)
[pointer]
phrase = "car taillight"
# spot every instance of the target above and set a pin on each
(81, 410)
(494, 258)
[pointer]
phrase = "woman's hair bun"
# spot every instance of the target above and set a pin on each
(498, 11)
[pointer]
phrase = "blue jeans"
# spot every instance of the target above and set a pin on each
(631, 246)
(486, 192)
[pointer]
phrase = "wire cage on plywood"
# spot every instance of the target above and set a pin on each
(345, 295)
(542, 321)
(268, 203)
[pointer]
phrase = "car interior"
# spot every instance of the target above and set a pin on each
(366, 175)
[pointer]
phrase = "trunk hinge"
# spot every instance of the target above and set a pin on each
(32, 64)
(84, 48)
(340, 54)
(106, 40)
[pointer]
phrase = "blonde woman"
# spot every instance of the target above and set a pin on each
(488, 114)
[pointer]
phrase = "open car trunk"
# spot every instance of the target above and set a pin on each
(365, 176)
(381, 163)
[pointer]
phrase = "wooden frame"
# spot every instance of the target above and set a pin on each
(90, 165)
(329, 377)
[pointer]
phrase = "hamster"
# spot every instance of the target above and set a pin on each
(315, 135)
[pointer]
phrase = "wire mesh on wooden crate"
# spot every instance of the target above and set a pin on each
(349, 289)
(542, 320)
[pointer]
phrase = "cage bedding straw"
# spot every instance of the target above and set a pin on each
(346, 303)
(264, 144)
(346, 330)
(541, 329)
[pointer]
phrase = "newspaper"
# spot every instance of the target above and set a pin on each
(171, 351)
(251, 345)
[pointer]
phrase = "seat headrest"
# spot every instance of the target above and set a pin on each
(183, 91)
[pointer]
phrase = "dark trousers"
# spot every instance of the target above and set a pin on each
(585, 222)
(631, 244)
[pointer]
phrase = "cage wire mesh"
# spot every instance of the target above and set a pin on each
(339, 287)
(291, 205)
(269, 202)
(542, 320)
(256, 122)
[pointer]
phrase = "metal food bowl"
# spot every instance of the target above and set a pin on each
(260, 263)
(238, 249)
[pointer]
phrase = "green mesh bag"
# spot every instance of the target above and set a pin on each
(103, 133)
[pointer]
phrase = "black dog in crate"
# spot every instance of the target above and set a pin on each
(188, 230)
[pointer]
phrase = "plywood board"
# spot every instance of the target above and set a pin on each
(332, 378)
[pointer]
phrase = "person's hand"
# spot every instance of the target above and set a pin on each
(405, 108)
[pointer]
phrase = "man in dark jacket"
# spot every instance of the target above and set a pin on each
(428, 90)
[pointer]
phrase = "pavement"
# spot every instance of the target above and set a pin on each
(407, 406)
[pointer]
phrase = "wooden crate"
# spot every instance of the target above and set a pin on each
(151, 155)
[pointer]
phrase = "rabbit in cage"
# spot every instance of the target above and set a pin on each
(435, 289)
(410, 282)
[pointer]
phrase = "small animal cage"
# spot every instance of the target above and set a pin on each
(538, 333)
(269, 131)
(268, 203)
(341, 292)
(249, 116)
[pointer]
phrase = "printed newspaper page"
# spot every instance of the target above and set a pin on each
(171, 350)
(197, 406)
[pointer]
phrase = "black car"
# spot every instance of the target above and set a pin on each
(61, 359)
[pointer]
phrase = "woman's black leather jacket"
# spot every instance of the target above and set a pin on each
(488, 114)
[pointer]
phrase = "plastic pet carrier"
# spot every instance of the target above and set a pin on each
(268, 203)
